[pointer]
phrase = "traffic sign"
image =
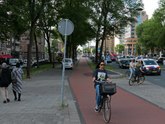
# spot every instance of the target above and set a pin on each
(65, 27)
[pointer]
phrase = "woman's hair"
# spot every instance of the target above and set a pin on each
(98, 65)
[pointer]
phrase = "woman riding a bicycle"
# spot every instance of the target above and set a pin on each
(100, 74)
(139, 69)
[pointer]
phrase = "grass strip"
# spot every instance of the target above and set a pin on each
(35, 71)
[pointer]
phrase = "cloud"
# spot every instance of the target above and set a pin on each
(150, 6)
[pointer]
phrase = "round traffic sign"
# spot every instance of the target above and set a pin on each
(65, 27)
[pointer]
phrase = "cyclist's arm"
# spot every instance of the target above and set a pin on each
(109, 80)
(93, 79)
(141, 69)
(94, 76)
(131, 65)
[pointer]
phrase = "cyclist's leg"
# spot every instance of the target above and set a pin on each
(97, 96)
(134, 73)
(131, 73)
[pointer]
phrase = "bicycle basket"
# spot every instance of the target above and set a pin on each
(108, 88)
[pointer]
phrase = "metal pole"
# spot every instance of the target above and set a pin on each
(63, 69)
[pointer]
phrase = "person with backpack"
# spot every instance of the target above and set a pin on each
(17, 80)
(5, 80)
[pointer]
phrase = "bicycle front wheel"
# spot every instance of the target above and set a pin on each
(131, 81)
(127, 74)
(107, 109)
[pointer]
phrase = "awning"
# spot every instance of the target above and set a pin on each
(6, 56)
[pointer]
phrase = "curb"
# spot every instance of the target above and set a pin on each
(115, 76)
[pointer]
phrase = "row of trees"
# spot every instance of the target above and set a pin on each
(151, 33)
(93, 19)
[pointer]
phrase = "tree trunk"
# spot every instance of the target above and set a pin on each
(49, 47)
(29, 55)
(103, 36)
(37, 56)
(97, 40)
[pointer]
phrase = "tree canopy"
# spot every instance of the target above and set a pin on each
(151, 33)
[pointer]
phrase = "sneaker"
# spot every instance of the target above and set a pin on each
(96, 109)
(4, 101)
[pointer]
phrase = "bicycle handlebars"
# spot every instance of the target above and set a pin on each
(100, 82)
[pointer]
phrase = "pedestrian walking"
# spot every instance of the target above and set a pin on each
(17, 72)
(5, 80)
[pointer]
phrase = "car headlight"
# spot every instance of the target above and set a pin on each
(158, 67)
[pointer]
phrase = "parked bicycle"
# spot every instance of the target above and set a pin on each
(139, 79)
(107, 89)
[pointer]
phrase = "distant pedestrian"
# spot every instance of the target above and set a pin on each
(5, 80)
(17, 85)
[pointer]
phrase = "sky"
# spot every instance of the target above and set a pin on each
(150, 6)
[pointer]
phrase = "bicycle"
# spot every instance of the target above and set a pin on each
(139, 79)
(107, 90)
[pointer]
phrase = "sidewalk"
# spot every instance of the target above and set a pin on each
(127, 108)
(41, 102)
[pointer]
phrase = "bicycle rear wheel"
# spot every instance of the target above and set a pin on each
(107, 109)
(141, 79)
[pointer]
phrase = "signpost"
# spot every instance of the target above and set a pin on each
(65, 27)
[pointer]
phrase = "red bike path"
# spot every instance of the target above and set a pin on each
(126, 107)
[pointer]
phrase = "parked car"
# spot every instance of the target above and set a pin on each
(150, 66)
(160, 60)
(124, 63)
(68, 63)
(138, 58)
(119, 58)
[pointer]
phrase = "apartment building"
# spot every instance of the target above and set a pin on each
(130, 38)
(108, 45)
(24, 41)
(19, 48)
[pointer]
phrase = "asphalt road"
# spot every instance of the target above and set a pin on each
(158, 80)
